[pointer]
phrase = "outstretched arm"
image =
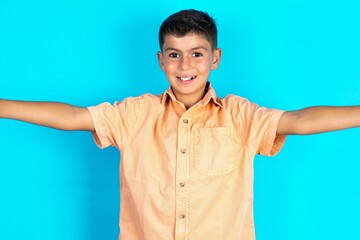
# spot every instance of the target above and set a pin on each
(50, 114)
(318, 119)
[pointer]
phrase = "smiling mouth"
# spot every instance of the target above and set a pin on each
(186, 78)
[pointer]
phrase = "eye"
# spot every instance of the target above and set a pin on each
(174, 55)
(196, 54)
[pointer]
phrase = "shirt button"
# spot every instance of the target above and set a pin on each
(183, 150)
(182, 216)
(182, 184)
(185, 121)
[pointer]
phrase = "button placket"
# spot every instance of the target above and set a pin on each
(182, 174)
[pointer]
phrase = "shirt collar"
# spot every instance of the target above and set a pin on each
(210, 95)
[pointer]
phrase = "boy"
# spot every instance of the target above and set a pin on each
(186, 167)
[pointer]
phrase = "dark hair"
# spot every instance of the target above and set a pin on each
(189, 21)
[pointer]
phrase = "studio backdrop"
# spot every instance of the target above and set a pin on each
(281, 54)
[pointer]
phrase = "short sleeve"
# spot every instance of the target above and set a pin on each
(269, 144)
(114, 124)
(258, 126)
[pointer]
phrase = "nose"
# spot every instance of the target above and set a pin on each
(185, 63)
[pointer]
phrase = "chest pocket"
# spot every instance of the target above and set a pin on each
(214, 151)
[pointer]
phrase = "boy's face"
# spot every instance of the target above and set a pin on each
(187, 62)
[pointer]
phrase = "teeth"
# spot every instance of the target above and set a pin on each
(186, 78)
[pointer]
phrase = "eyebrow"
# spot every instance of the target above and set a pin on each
(192, 49)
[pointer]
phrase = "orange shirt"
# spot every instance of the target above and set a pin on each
(186, 174)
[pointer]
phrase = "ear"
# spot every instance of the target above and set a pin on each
(216, 59)
(161, 61)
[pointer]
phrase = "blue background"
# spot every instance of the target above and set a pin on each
(280, 54)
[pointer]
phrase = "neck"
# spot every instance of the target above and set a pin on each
(190, 100)
(189, 103)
